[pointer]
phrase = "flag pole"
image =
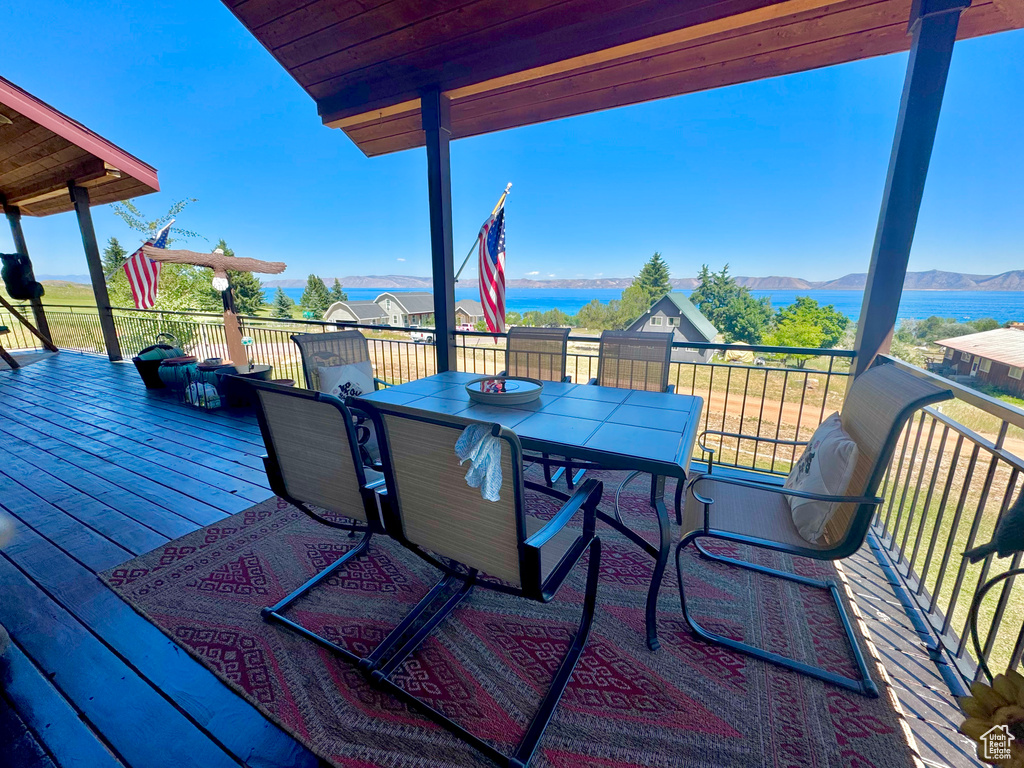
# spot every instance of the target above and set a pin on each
(497, 207)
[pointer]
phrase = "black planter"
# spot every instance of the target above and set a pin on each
(234, 393)
(148, 369)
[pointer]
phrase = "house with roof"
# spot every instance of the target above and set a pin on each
(361, 312)
(468, 312)
(677, 314)
(993, 357)
(407, 308)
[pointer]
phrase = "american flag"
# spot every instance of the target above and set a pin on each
(143, 273)
(492, 271)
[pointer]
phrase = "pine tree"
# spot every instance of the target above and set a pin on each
(654, 278)
(337, 294)
(316, 298)
(731, 308)
(246, 288)
(282, 306)
(114, 256)
(650, 285)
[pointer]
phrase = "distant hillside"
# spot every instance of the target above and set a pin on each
(63, 278)
(932, 280)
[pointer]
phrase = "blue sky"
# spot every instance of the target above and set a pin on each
(782, 176)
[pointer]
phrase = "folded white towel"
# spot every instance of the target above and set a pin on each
(483, 450)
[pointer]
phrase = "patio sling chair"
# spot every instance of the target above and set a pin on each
(539, 353)
(312, 459)
(432, 511)
(878, 405)
(341, 348)
(536, 353)
(634, 360)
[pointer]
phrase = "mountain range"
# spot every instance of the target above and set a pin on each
(932, 280)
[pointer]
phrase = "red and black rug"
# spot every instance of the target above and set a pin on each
(689, 704)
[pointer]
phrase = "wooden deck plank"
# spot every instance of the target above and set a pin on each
(123, 382)
(220, 458)
(140, 724)
(127, 533)
(195, 510)
(80, 477)
(229, 720)
(52, 718)
(92, 548)
(21, 748)
(176, 461)
(171, 479)
(147, 405)
(141, 509)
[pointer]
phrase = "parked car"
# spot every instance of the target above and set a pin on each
(424, 337)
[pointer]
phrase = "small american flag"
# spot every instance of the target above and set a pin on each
(143, 273)
(492, 271)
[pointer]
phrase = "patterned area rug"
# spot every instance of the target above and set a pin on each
(689, 704)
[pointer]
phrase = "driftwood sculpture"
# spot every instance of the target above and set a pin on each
(220, 264)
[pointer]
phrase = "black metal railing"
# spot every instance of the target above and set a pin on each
(956, 470)
(17, 337)
(750, 390)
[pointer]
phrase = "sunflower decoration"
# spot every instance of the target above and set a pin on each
(995, 719)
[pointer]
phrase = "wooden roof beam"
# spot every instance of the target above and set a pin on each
(88, 173)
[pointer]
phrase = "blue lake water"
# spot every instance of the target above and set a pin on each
(1003, 306)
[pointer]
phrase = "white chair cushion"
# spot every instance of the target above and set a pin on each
(349, 380)
(825, 467)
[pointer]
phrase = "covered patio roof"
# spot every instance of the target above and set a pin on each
(504, 65)
(42, 150)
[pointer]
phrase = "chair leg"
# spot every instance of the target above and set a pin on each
(535, 731)
(275, 613)
(864, 685)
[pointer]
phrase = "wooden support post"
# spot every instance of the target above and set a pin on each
(933, 24)
(80, 197)
(435, 108)
(233, 330)
(14, 219)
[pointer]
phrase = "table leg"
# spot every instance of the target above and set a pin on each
(659, 553)
(661, 560)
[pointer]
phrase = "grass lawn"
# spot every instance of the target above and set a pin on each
(59, 292)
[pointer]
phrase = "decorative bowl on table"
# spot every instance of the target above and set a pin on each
(504, 390)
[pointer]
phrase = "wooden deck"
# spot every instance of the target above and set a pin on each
(95, 470)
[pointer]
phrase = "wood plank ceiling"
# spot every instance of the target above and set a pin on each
(41, 150)
(510, 64)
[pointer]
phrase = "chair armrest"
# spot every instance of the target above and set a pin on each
(581, 499)
(567, 379)
(778, 489)
(593, 380)
(671, 389)
(503, 373)
(378, 383)
(586, 497)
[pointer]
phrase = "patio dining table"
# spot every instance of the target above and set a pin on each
(615, 428)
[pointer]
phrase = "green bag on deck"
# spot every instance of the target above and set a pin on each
(158, 353)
